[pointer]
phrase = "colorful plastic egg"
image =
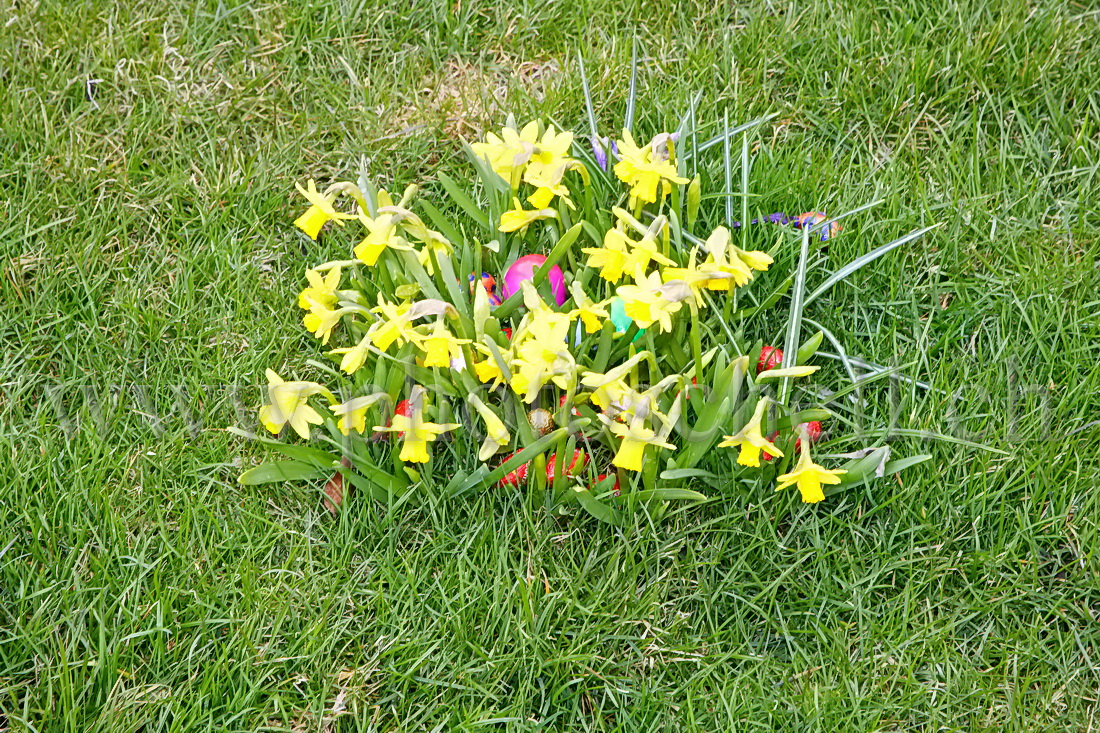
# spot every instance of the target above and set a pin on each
(620, 319)
(524, 269)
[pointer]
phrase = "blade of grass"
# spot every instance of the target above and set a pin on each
(730, 131)
(794, 323)
(863, 260)
(632, 96)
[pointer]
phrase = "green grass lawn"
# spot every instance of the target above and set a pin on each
(147, 260)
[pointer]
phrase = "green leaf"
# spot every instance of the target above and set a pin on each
(901, 464)
(669, 495)
(807, 350)
(675, 474)
(267, 473)
(588, 107)
(301, 453)
(376, 492)
(794, 324)
(598, 509)
(463, 200)
(864, 468)
(859, 468)
(800, 417)
(692, 202)
(441, 222)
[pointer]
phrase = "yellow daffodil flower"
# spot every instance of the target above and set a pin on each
(541, 353)
(322, 288)
(440, 346)
(435, 243)
(545, 191)
(611, 257)
(394, 327)
(736, 265)
(354, 357)
(643, 171)
(693, 277)
(518, 217)
(536, 364)
(610, 389)
(755, 259)
(319, 212)
(497, 435)
(417, 433)
(808, 475)
(321, 319)
(382, 235)
(592, 314)
(642, 252)
(646, 301)
(547, 165)
(288, 403)
(508, 153)
(552, 148)
(750, 438)
(635, 438)
(489, 370)
(353, 413)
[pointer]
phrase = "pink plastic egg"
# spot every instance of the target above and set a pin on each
(524, 269)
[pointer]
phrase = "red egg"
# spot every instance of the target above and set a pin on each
(770, 358)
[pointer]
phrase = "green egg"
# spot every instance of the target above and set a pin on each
(621, 320)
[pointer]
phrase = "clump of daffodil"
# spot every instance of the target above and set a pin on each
(808, 475)
(320, 210)
(648, 170)
(456, 338)
(288, 404)
(750, 439)
(417, 433)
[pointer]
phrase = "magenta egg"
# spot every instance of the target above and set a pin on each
(524, 269)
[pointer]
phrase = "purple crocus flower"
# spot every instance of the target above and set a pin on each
(600, 146)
